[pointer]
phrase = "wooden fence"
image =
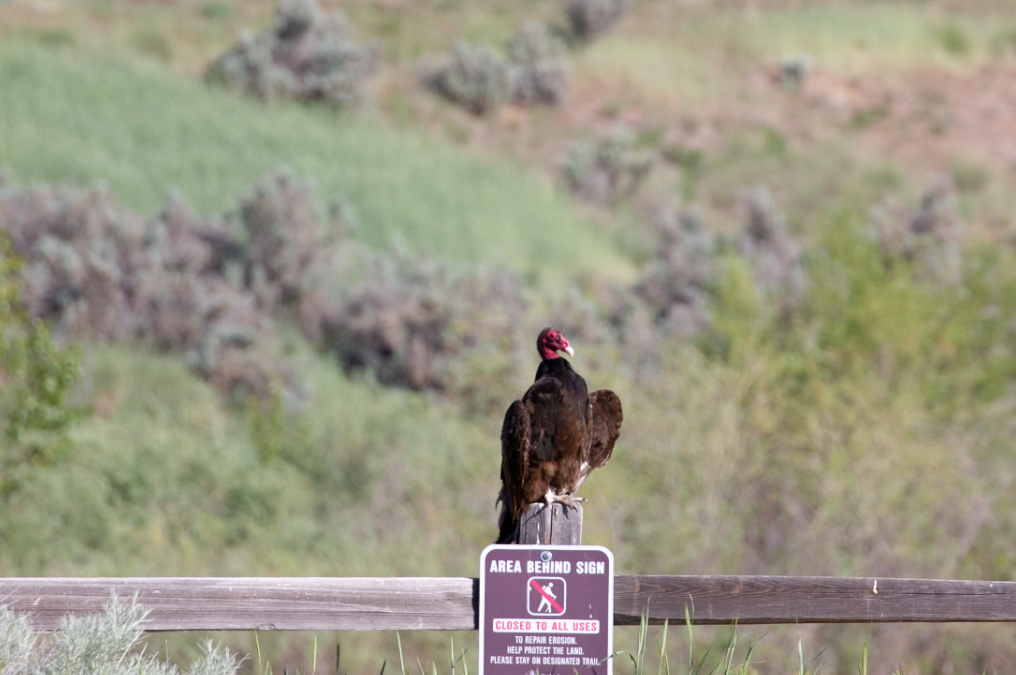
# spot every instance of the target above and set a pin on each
(451, 603)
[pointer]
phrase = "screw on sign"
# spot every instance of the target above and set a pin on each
(546, 610)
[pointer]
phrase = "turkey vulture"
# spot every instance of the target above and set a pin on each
(553, 436)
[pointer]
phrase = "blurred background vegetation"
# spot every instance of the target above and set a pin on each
(272, 273)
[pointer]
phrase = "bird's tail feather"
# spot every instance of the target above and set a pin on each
(507, 526)
(508, 529)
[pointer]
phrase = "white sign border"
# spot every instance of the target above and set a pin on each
(516, 547)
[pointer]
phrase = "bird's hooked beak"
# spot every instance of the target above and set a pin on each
(569, 351)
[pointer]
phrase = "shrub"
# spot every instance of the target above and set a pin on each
(78, 246)
(539, 73)
(205, 287)
(411, 320)
(36, 375)
(278, 236)
(100, 643)
(773, 252)
(953, 39)
(474, 76)
(606, 171)
(95, 269)
(675, 287)
(794, 72)
(929, 235)
(637, 332)
(591, 18)
(307, 54)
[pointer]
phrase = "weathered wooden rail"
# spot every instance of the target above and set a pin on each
(450, 603)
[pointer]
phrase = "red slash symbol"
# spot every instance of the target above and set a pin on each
(539, 589)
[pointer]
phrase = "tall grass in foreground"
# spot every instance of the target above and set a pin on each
(728, 654)
(727, 663)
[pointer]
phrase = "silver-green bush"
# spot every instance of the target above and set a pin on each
(307, 54)
(929, 235)
(675, 286)
(539, 72)
(411, 320)
(767, 243)
(101, 643)
(607, 170)
(474, 76)
(203, 286)
(95, 269)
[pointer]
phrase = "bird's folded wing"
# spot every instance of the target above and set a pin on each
(607, 418)
(515, 441)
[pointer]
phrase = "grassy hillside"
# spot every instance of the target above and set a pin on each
(859, 426)
(143, 132)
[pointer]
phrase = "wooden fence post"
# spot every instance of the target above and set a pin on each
(556, 524)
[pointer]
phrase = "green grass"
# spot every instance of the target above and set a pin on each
(142, 130)
(697, 56)
(857, 36)
(359, 479)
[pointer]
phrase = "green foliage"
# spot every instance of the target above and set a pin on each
(336, 478)
(216, 10)
(953, 39)
(100, 643)
(35, 377)
(875, 407)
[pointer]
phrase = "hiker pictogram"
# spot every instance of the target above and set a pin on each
(547, 596)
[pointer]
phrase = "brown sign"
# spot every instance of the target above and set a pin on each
(546, 609)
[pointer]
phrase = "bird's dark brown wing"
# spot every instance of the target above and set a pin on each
(515, 443)
(607, 418)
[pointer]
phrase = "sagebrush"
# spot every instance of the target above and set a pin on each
(308, 54)
(607, 170)
(474, 76)
(101, 643)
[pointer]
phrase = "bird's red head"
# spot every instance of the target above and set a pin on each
(550, 342)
